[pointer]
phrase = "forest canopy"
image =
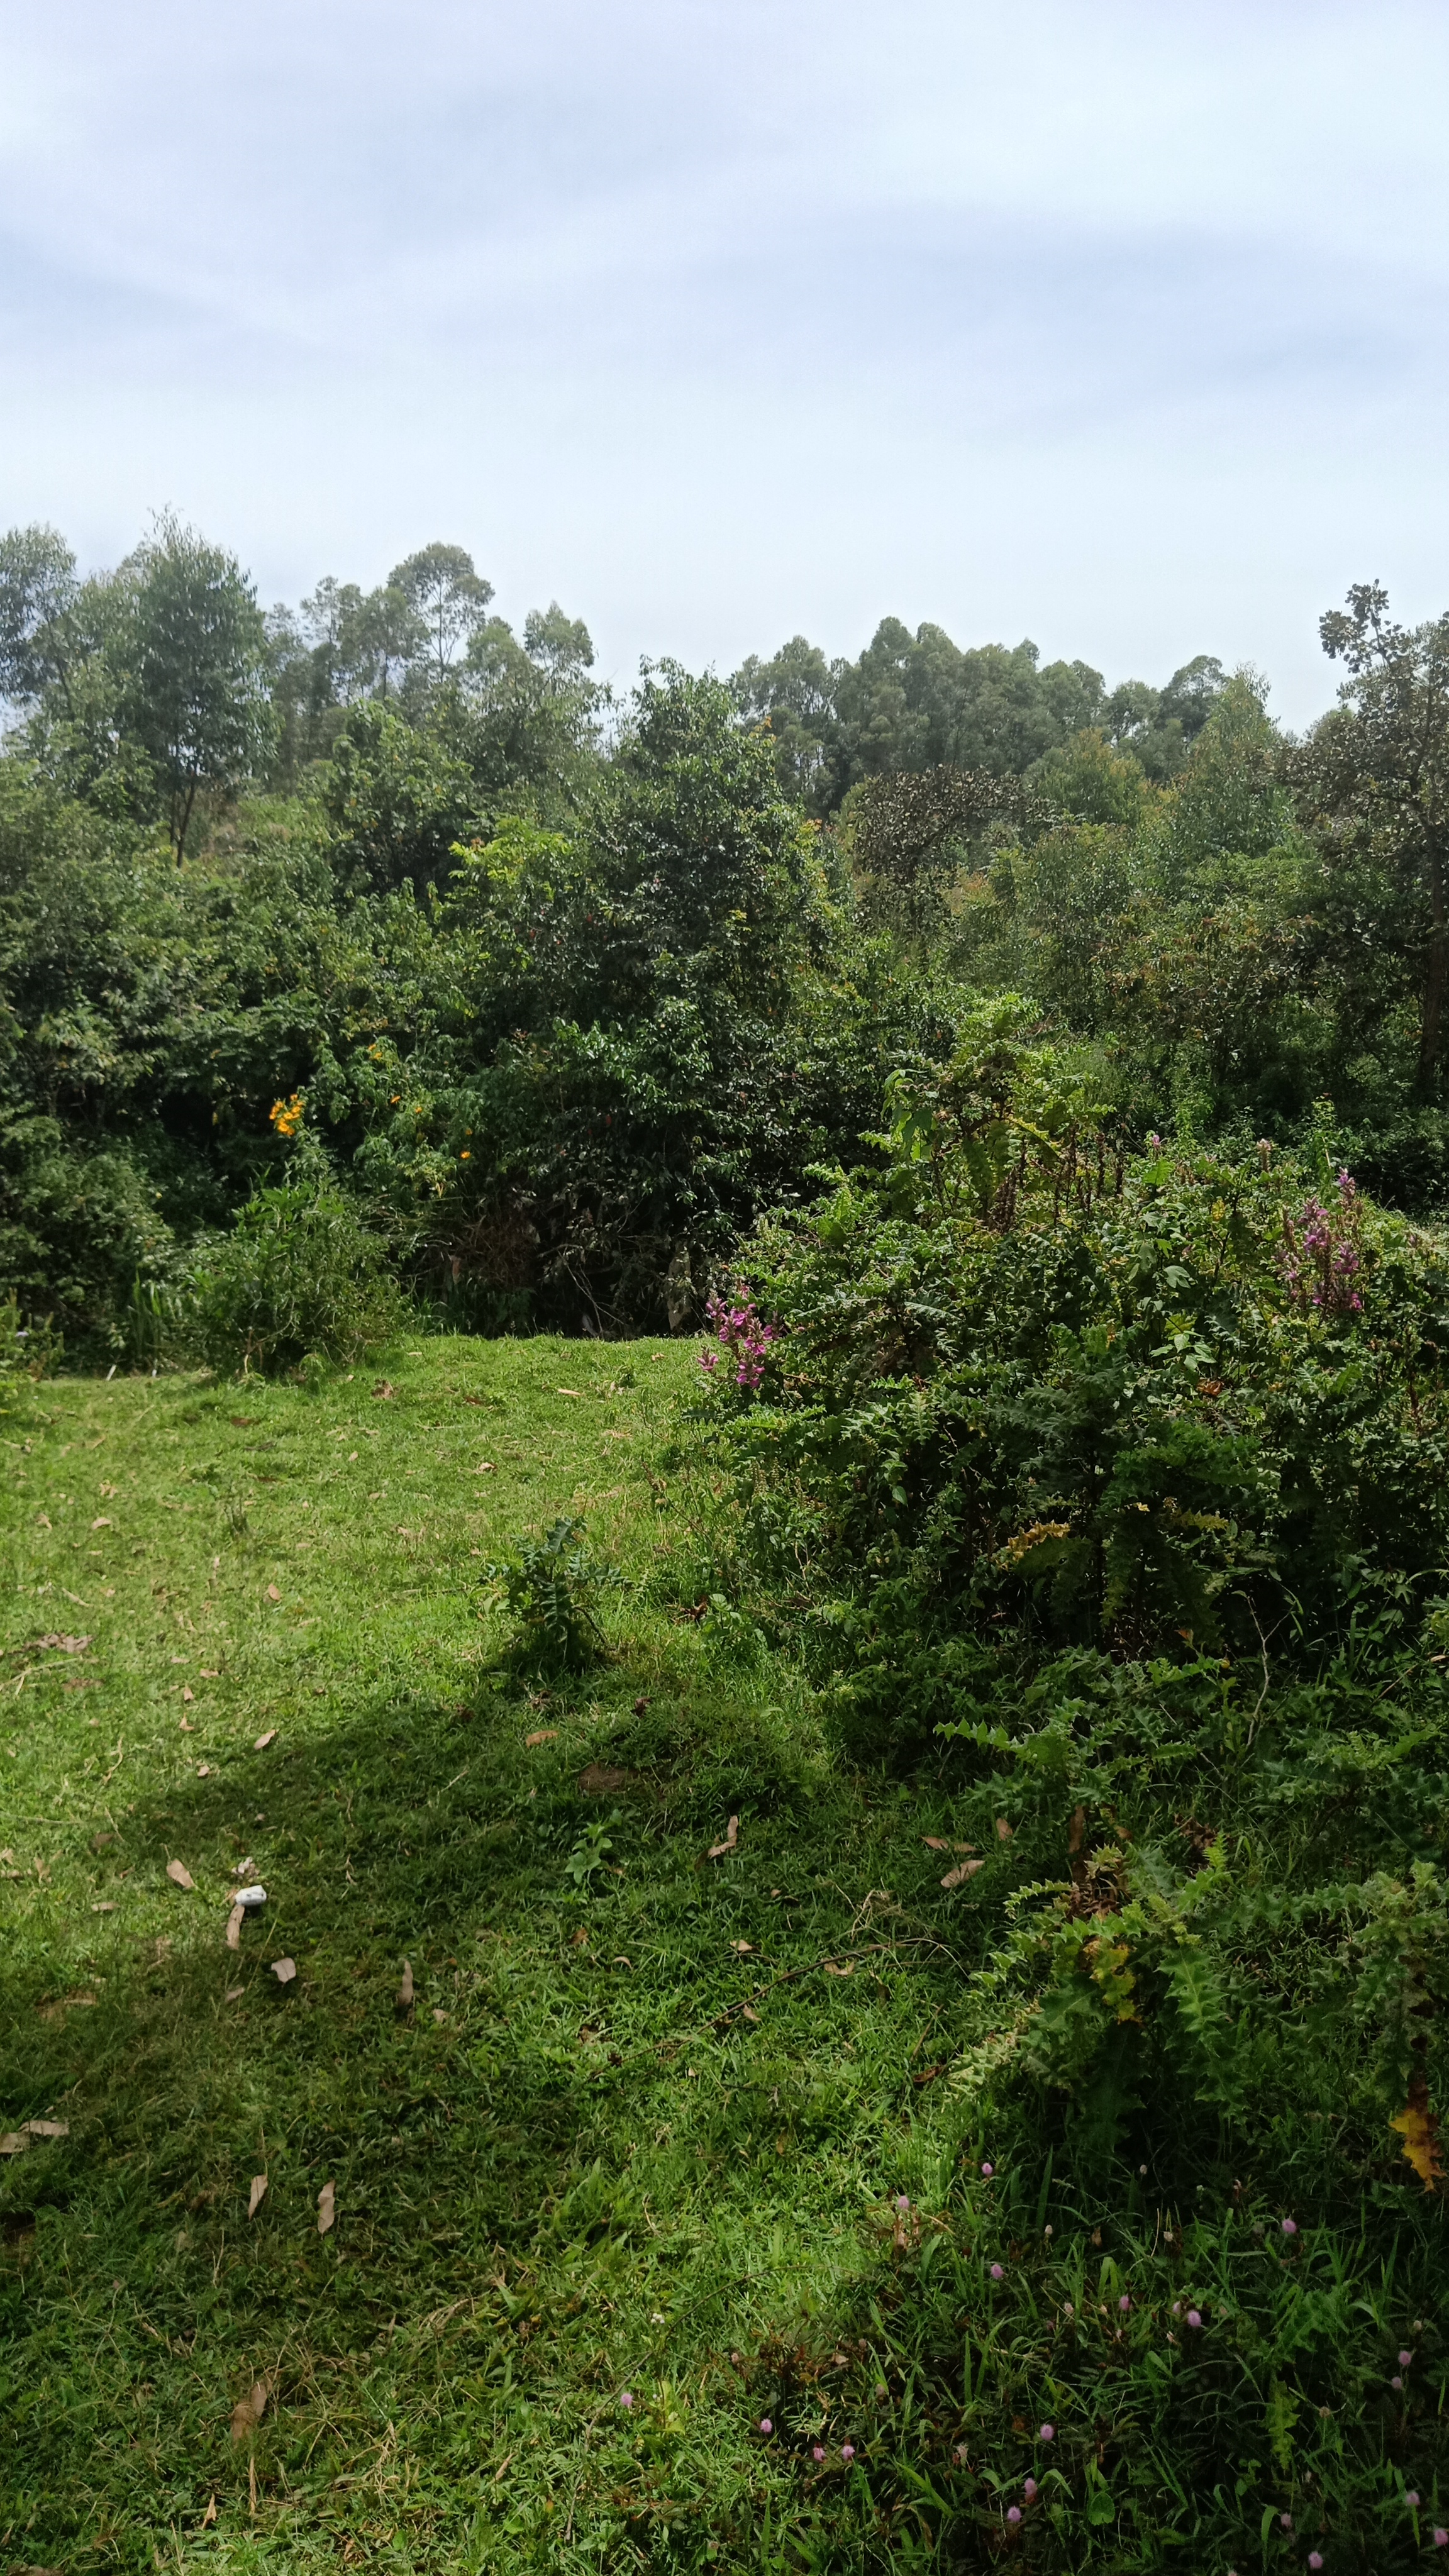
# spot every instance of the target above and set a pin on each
(558, 993)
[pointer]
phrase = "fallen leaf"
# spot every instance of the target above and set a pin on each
(1003, 1830)
(263, 1741)
(832, 1970)
(187, 1727)
(718, 1851)
(272, 1593)
(180, 1875)
(579, 1940)
(1418, 2126)
(48, 2128)
(209, 2517)
(745, 1948)
(284, 1970)
(438, 2013)
(485, 1467)
(211, 1672)
(569, 1390)
(640, 1706)
(203, 1770)
(189, 1697)
(14, 2143)
(405, 1990)
(102, 1523)
(748, 2013)
(257, 2194)
(382, 1391)
(936, 1842)
(1076, 1829)
(241, 1421)
(248, 2411)
(928, 2075)
(99, 1842)
(964, 1869)
(54, 1642)
(234, 1994)
(541, 1735)
(234, 1922)
(106, 1907)
(326, 2208)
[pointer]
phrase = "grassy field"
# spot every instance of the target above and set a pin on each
(658, 2239)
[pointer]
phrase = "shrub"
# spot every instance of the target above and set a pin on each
(298, 1278)
(553, 1590)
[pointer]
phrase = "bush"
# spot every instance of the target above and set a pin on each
(298, 1278)
(553, 1589)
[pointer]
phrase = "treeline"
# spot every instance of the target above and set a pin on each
(553, 995)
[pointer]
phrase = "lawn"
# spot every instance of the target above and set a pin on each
(618, 2209)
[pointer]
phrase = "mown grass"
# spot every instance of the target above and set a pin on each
(624, 2184)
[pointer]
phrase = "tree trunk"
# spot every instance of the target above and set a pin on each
(1436, 972)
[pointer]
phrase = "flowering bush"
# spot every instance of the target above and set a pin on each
(1321, 1258)
(742, 1340)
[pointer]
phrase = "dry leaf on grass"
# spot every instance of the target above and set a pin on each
(188, 1695)
(832, 1970)
(383, 1389)
(234, 1922)
(748, 2013)
(744, 1948)
(600, 1779)
(180, 1875)
(936, 1842)
(326, 2208)
(186, 1726)
(15, 2141)
(53, 1642)
(257, 2194)
(284, 1970)
(108, 1906)
(248, 2411)
(263, 1741)
(234, 1994)
(964, 1869)
(405, 1990)
(1003, 1830)
(485, 1467)
(272, 1593)
(438, 2013)
(209, 2517)
(541, 1735)
(203, 1770)
(1418, 2126)
(719, 1851)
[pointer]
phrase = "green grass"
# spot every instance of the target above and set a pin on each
(609, 2149)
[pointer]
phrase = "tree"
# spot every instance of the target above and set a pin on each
(195, 646)
(1376, 774)
(447, 595)
(38, 592)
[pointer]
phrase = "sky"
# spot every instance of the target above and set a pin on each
(1118, 326)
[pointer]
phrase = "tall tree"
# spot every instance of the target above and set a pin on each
(449, 597)
(195, 694)
(1376, 774)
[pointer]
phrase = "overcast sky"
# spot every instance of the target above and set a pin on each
(1118, 326)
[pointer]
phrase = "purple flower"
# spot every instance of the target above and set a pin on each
(1404, 2360)
(847, 2451)
(1412, 2499)
(1193, 2317)
(881, 2389)
(1013, 2513)
(1124, 2305)
(1285, 2521)
(1177, 2307)
(816, 2453)
(902, 2203)
(997, 2272)
(1441, 2537)
(1315, 2558)
(1290, 2226)
(626, 2397)
(1396, 2381)
(1028, 2488)
(765, 2424)
(1046, 2433)
(988, 2171)
(1067, 2308)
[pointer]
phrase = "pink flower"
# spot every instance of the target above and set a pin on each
(626, 2397)
(1124, 2305)
(1193, 2317)
(1404, 2360)
(765, 2424)
(902, 2203)
(1290, 2226)
(1396, 2381)
(1412, 2499)
(1441, 2537)
(847, 2451)
(1028, 2488)
(1285, 2521)
(1047, 2433)
(1013, 2513)
(816, 2453)
(1315, 2558)
(988, 2171)
(997, 2272)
